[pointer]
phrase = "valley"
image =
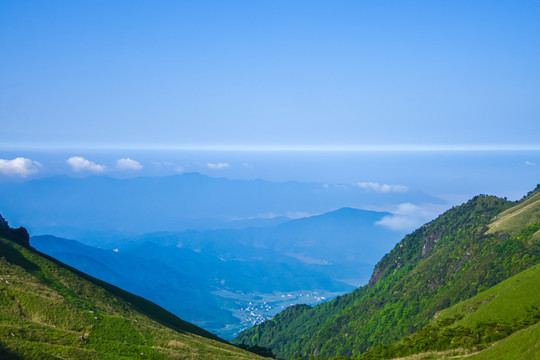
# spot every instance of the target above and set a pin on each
(254, 308)
(453, 287)
(286, 180)
(281, 264)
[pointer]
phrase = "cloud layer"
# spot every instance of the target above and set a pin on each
(218, 166)
(79, 163)
(406, 217)
(128, 164)
(382, 188)
(19, 167)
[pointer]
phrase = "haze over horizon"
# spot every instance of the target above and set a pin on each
(434, 97)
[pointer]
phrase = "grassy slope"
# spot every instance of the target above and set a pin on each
(45, 307)
(526, 213)
(524, 344)
(506, 302)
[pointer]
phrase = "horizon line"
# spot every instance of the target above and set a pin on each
(277, 148)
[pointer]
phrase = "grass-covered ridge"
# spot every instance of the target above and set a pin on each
(446, 261)
(524, 214)
(50, 311)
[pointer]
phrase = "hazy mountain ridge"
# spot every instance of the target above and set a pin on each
(72, 207)
(49, 311)
(316, 240)
(443, 262)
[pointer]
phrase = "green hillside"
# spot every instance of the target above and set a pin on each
(521, 345)
(51, 311)
(508, 301)
(524, 344)
(446, 261)
(498, 320)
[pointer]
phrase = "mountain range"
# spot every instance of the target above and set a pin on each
(103, 207)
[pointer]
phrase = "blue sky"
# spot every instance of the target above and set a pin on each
(269, 74)
(130, 88)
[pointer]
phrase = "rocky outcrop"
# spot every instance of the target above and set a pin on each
(20, 235)
(375, 276)
(429, 241)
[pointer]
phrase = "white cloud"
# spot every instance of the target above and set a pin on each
(179, 169)
(218, 166)
(19, 167)
(128, 164)
(169, 165)
(406, 217)
(299, 214)
(382, 188)
(79, 163)
(529, 163)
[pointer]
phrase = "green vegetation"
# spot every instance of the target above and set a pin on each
(465, 284)
(524, 344)
(511, 300)
(525, 214)
(473, 324)
(443, 263)
(50, 311)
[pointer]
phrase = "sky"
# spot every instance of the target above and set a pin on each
(263, 75)
(437, 96)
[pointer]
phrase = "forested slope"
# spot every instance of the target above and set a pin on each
(448, 260)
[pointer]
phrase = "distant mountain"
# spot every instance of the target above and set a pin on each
(51, 311)
(77, 207)
(463, 252)
(344, 244)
